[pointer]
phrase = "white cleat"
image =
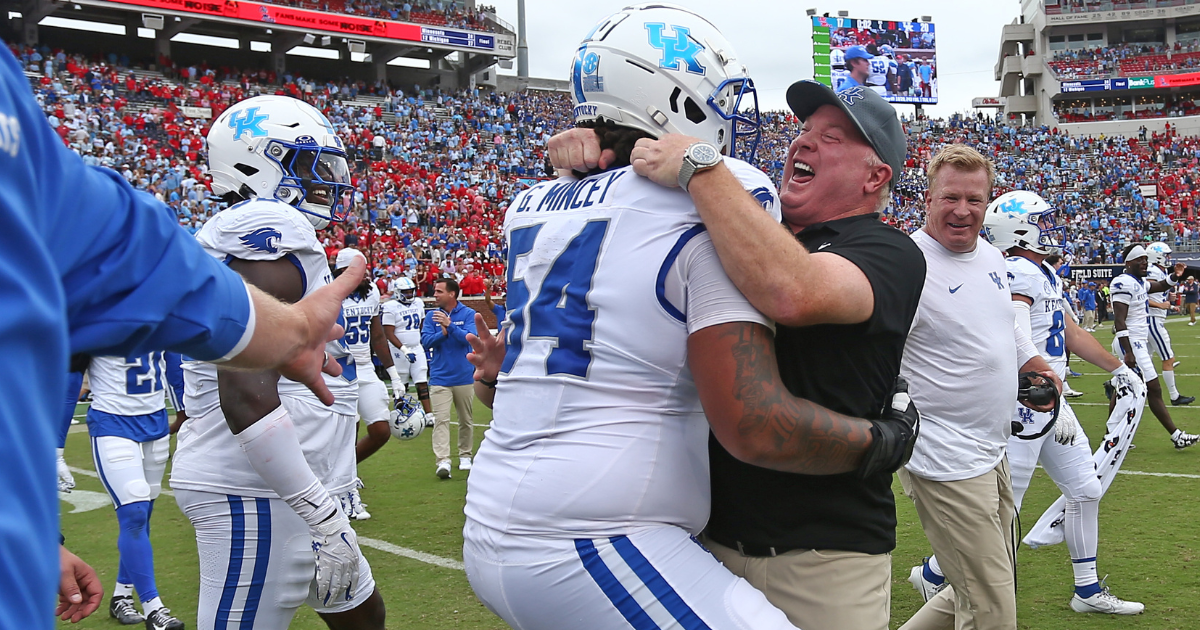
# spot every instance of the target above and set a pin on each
(464, 463)
(1107, 603)
(927, 589)
(443, 470)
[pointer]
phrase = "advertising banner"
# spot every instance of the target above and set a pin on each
(1177, 80)
(325, 22)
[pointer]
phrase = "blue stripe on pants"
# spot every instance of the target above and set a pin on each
(625, 603)
(237, 547)
(1158, 339)
(666, 595)
(261, 558)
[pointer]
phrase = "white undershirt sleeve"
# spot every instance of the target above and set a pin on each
(698, 287)
(1023, 332)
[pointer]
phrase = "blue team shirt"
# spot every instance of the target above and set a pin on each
(448, 365)
(87, 264)
(849, 83)
(1087, 298)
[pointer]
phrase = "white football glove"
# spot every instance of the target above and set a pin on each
(336, 547)
(66, 481)
(1125, 378)
(1066, 427)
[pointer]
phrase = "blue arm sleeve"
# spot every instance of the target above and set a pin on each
(431, 333)
(175, 379)
(460, 332)
(133, 281)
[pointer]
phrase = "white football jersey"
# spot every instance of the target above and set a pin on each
(209, 457)
(879, 65)
(407, 318)
(358, 313)
(1156, 273)
(128, 386)
(1131, 291)
(1047, 314)
(597, 428)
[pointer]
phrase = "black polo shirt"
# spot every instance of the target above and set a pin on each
(848, 368)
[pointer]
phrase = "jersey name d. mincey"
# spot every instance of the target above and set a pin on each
(358, 313)
(597, 427)
(1155, 273)
(407, 319)
(1047, 314)
(209, 457)
(1131, 291)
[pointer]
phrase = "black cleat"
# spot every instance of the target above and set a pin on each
(161, 619)
(1183, 400)
(123, 610)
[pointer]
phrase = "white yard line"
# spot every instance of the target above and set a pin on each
(381, 545)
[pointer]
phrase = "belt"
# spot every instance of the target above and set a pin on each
(754, 551)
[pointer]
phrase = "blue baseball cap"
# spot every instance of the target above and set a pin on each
(857, 52)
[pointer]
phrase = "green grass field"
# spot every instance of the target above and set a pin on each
(1149, 536)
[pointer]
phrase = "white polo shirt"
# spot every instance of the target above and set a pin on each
(960, 361)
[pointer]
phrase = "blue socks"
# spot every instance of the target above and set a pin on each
(1087, 591)
(137, 556)
(930, 576)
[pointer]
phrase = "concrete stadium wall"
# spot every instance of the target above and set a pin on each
(1188, 125)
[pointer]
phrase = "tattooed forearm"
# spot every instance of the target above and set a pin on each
(790, 433)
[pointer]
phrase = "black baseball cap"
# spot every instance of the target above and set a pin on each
(875, 118)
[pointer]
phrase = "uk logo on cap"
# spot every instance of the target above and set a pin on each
(850, 95)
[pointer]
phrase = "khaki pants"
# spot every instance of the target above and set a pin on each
(1089, 319)
(463, 397)
(819, 589)
(969, 526)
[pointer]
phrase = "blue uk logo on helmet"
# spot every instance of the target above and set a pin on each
(680, 48)
(248, 120)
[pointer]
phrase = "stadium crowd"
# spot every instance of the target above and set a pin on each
(1126, 60)
(434, 170)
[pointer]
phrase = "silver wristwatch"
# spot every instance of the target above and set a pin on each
(698, 157)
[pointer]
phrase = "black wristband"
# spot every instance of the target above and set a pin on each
(892, 444)
(491, 384)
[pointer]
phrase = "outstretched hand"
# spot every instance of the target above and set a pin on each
(487, 351)
(291, 338)
(79, 590)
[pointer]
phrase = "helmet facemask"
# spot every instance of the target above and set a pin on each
(1051, 235)
(746, 129)
(316, 180)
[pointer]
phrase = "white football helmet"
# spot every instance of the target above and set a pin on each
(404, 289)
(664, 69)
(278, 147)
(408, 419)
(1158, 253)
(837, 58)
(1023, 219)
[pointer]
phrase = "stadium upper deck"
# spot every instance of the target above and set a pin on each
(1103, 67)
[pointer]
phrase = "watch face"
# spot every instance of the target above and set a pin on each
(704, 153)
